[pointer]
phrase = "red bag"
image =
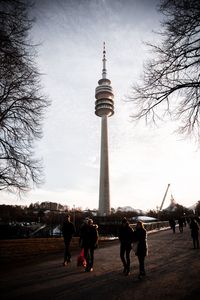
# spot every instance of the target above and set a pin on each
(81, 261)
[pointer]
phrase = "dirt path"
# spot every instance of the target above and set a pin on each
(173, 272)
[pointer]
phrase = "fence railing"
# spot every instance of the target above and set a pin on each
(33, 247)
(154, 225)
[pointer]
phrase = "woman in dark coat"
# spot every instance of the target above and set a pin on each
(126, 239)
(140, 236)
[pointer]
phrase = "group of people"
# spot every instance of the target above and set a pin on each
(181, 223)
(194, 227)
(129, 239)
(133, 238)
(89, 241)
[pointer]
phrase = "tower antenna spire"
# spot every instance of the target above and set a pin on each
(104, 71)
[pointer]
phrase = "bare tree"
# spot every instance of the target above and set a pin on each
(22, 104)
(171, 82)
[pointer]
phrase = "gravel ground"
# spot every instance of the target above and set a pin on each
(172, 266)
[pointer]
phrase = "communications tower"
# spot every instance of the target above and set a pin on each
(104, 108)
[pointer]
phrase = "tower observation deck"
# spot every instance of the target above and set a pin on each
(104, 108)
(104, 105)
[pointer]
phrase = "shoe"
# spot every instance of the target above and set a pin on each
(127, 273)
(141, 275)
(87, 269)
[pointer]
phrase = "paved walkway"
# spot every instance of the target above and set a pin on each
(173, 272)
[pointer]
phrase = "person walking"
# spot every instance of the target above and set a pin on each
(180, 224)
(140, 236)
(68, 231)
(194, 233)
(88, 241)
(172, 223)
(126, 239)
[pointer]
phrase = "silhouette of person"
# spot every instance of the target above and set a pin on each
(194, 233)
(172, 224)
(184, 221)
(88, 241)
(68, 231)
(126, 239)
(140, 236)
(180, 224)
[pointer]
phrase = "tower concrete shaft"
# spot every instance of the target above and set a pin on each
(104, 108)
(104, 186)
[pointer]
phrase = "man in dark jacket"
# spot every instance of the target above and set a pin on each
(195, 233)
(125, 238)
(68, 231)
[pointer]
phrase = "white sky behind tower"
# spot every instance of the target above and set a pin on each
(143, 160)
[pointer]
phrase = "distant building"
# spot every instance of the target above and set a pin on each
(51, 206)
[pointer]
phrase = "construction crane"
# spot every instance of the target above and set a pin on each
(164, 196)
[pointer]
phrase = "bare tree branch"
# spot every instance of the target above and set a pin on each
(171, 80)
(22, 104)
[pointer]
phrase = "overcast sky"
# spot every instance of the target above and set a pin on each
(143, 160)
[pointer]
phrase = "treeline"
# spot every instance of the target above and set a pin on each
(22, 221)
(43, 213)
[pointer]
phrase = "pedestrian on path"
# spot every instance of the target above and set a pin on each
(180, 224)
(194, 233)
(68, 231)
(89, 241)
(172, 224)
(126, 239)
(140, 236)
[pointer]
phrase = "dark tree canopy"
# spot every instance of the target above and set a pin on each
(22, 104)
(171, 81)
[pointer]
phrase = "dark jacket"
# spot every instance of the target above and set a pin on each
(88, 236)
(68, 230)
(126, 234)
(194, 228)
(140, 236)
